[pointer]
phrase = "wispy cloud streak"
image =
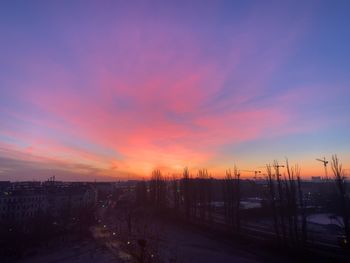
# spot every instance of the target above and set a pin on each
(124, 90)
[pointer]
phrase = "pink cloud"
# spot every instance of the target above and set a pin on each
(150, 93)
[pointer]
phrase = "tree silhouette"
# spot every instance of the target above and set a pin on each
(343, 198)
(158, 190)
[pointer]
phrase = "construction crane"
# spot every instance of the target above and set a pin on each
(277, 166)
(256, 172)
(325, 162)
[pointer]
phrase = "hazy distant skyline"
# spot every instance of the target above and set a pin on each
(114, 88)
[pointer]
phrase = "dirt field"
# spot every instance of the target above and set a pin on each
(183, 245)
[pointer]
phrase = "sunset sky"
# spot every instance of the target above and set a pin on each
(94, 89)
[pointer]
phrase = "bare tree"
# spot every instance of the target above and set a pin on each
(341, 185)
(232, 199)
(200, 181)
(185, 192)
(158, 190)
(292, 210)
(228, 199)
(141, 193)
(302, 207)
(281, 201)
(237, 198)
(203, 183)
(175, 193)
(272, 193)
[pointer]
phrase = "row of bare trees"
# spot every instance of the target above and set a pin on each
(232, 199)
(194, 197)
(287, 204)
(343, 197)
